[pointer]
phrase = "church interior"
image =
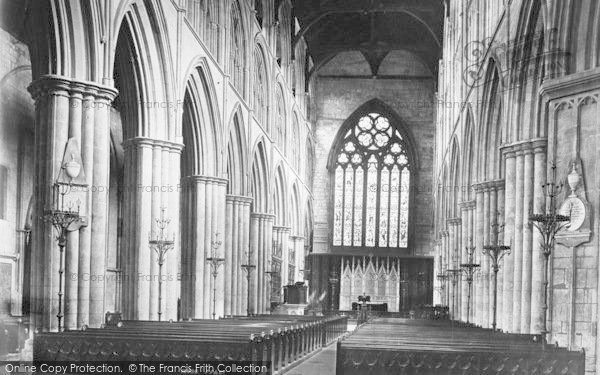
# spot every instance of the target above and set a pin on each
(321, 186)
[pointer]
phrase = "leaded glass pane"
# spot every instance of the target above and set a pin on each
(394, 206)
(358, 207)
(338, 210)
(384, 207)
(348, 193)
(372, 187)
(405, 185)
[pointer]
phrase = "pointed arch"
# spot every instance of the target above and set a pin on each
(489, 158)
(142, 69)
(261, 91)
(64, 39)
(454, 186)
(468, 150)
(295, 212)
(280, 123)
(259, 178)
(280, 201)
(199, 127)
(310, 161)
(238, 35)
(236, 154)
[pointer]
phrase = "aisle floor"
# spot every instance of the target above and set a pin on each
(322, 363)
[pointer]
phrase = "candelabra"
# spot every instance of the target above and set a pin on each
(549, 223)
(453, 275)
(248, 268)
(496, 252)
(215, 262)
(161, 244)
(442, 278)
(469, 270)
(62, 217)
(270, 273)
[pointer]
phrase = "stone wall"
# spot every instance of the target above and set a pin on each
(342, 88)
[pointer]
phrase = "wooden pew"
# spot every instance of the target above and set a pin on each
(275, 339)
(400, 346)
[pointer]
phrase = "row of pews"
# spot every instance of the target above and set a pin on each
(279, 340)
(408, 346)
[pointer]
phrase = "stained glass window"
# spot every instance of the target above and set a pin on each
(371, 186)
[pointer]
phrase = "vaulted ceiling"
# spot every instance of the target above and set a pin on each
(373, 27)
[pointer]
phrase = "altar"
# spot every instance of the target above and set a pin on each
(377, 277)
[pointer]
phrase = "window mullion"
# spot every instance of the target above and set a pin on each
(389, 208)
(364, 200)
(378, 202)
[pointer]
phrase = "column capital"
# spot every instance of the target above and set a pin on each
(152, 143)
(239, 199)
(51, 83)
(453, 221)
(207, 179)
(444, 233)
(524, 147)
(467, 205)
(281, 229)
(297, 238)
(479, 187)
(263, 216)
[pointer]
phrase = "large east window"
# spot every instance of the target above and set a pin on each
(371, 181)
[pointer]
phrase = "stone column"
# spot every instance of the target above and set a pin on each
(70, 113)
(204, 222)
(509, 228)
(478, 228)
(445, 264)
(485, 269)
(464, 210)
(454, 263)
(526, 277)
(500, 297)
(261, 239)
(255, 277)
(518, 242)
(471, 232)
(235, 252)
(537, 264)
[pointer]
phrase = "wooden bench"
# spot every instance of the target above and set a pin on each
(403, 346)
(280, 340)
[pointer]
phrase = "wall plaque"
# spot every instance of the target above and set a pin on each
(575, 209)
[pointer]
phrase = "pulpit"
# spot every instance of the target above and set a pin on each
(295, 294)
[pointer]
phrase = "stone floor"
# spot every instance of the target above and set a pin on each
(322, 363)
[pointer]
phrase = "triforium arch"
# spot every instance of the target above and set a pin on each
(280, 123)
(374, 149)
(261, 84)
(238, 45)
